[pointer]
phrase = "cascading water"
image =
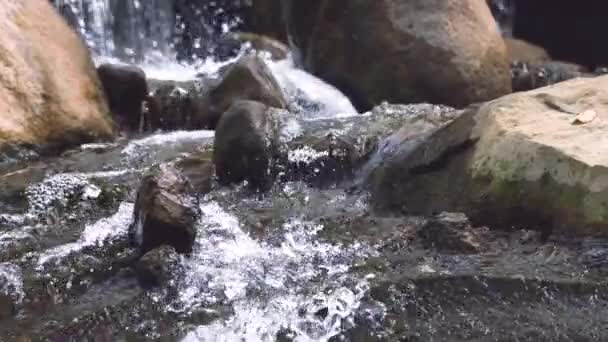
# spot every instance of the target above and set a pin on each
(150, 32)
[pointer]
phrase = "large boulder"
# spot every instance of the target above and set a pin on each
(521, 160)
(440, 51)
(245, 145)
(49, 92)
(126, 88)
(248, 79)
(522, 51)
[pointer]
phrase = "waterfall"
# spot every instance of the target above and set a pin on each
(151, 31)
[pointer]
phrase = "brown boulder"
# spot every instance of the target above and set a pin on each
(49, 92)
(522, 51)
(440, 51)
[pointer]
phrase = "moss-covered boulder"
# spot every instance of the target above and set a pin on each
(521, 160)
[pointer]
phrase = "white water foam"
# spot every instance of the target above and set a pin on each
(136, 147)
(96, 234)
(271, 287)
(298, 83)
(11, 281)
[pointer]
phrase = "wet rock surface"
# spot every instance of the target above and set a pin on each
(246, 144)
(165, 211)
(126, 88)
(298, 262)
(157, 267)
(529, 76)
(247, 79)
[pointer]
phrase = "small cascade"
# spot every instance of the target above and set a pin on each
(152, 31)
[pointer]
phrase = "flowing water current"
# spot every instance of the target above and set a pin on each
(299, 264)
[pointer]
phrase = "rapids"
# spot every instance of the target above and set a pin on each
(298, 264)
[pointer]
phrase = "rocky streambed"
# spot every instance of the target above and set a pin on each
(305, 261)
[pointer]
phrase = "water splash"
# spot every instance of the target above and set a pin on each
(96, 234)
(137, 147)
(11, 281)
(272, 287)
(308, 94)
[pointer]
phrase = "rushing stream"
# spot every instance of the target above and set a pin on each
(298, 264)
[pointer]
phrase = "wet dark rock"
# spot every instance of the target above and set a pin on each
(178, 105)
(126, 88)
(528, 76)
(331, 151)
(198, 169)
(248, 79)
(165, 211)
(402, 52)
(169, 108)
(245, 146)
(7, 307)
(157, 266)
(450, 233)
(266, 17)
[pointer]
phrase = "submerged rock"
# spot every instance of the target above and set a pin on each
(165, 211)
(126, 88)
(447, 52)
(245, 144)
(157, 266)
(515, 161)
(50, 96)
